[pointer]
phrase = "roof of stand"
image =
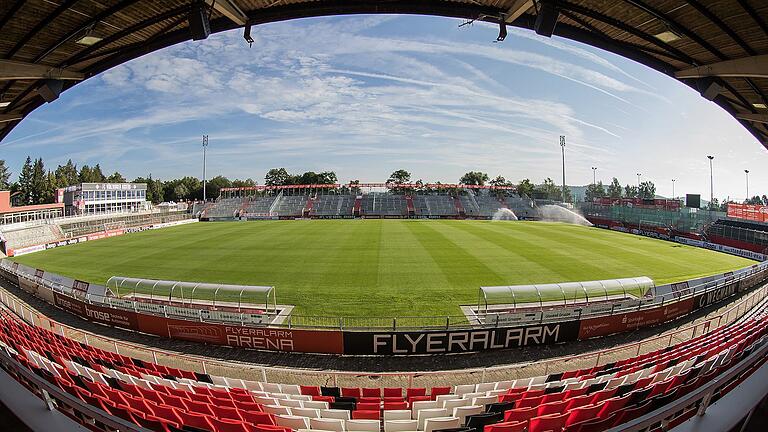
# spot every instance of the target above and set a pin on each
(718, 47)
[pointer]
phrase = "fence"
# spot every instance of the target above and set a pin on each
(725, 315)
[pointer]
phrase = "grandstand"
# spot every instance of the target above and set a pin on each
(333, 205)
(100, 388)
(40, 234)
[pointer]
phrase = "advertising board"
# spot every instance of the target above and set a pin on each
(592, 327)
(457, 341)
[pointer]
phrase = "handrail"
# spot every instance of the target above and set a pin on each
(439, 322)
(703, 393)
(47, 390)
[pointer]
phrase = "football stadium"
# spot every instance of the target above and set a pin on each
(311, 304)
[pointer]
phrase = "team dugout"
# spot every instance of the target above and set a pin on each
(564, 293)
(194, 292)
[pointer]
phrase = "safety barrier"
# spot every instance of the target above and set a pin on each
(389, 342)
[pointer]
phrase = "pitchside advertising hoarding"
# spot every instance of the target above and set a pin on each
(458, 341)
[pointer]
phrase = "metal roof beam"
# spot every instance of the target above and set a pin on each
(5, 118)
(757, 118)
(230, 10)
(754, 67)
(518, 8)
(15, 70)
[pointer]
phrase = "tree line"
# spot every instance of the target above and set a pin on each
(37, 185)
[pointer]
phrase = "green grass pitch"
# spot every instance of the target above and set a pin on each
(387, 268)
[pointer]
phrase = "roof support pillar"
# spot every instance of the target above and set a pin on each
(16, 70)
(754, 67)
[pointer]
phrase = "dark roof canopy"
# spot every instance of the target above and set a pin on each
(719, 47)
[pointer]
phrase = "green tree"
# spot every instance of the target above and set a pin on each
(595, 191)
(240, 183)
(400, 176)
(499, 181)
(276, 177)
(327, 177)
(180, 192)
(630, 191)
(39, 182)
(25, 182)
(66, 175)
(647, 190)
(614, 189)
(474, 178)
(525, 188)
(116, 177)
(550, 190)
(755, 200)
(5, 176)
(214, 186)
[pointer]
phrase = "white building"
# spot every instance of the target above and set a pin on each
(90, 198)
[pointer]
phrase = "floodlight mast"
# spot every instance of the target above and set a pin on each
(205, 146)
(562, 146)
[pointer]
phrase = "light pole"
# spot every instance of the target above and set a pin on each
(674, 197)
(746, 172)
(594, 173)
(562, 146)
(638, 184)
(711, 183)
(205, 146)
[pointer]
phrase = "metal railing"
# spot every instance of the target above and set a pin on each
(236, 369)
(446, 322)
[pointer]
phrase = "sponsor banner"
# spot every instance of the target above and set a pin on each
(606, 325)
(26, 250)
(714, 296)
(100, 314)
(174, 223)
(272, 339)
(457, 341)
(722, 248)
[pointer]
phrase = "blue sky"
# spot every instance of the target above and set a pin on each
(366, 95)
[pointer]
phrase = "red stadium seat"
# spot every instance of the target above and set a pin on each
(372, 392)
(402, 405)
(156, 424)
(582, 414)
(507, 427)
(368, 406)
(166, 412)
(229, 425)
(198, 407)
(369, 400)
(366, 415)
(554, 422)
(612, 405)
(628, 414)
(519, 414)
(410, 392)
(439, 391)
(595, 425)
(224, 412)
(258, 418)
(310, 390)
(551, 408)
(390, 392)
(413, 399)
(351, 392)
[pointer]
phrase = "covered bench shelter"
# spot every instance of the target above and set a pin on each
(558, 294)
(191, 291)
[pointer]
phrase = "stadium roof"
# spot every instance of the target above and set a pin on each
(719, 47)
